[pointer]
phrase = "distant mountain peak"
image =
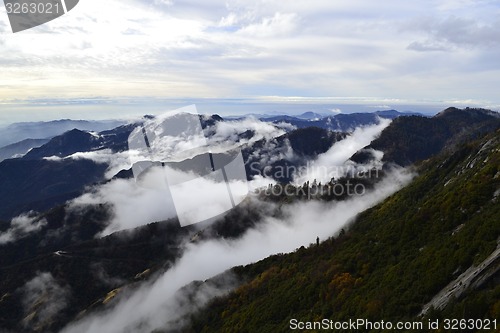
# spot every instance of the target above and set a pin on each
(467, 111)
(70, 142)
(391, 112)
(309, 115)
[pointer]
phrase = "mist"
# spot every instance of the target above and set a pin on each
(43, 297)
(157, 304)
(22, 225)
(154, 304)
(332, 162)
(47, 129)
(136, 203)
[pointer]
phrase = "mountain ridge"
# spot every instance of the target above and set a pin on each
(369, 270)
(409, 139)
(444, 221)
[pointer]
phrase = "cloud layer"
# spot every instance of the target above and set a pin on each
(43, 298)
(155, 304)
(242, 48)
(163, 193)
(332, 163)
(20, 226)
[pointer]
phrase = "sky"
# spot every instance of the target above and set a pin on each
(108, 58)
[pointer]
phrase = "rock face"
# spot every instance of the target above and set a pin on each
(472, 278)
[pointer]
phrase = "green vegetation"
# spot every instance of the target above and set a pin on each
(393, 260)
(411, 139)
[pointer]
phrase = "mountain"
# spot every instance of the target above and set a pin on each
(36, 183)
(95, 269)
(407, 140)
(435, 237)
(310, 116)
(394, 114)
(410, 139)
(340, 122)
(289, 151)
(20, 148)
(76, 140)
(41, 184)
(433, 242)
(47, 129)
(69, 143)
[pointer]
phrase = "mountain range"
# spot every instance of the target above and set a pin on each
(40, 191)
(393, 261)
(338, 122)
(429, 252)
(47, 129)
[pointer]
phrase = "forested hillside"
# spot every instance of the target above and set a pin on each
(412, 139)
(391, 261)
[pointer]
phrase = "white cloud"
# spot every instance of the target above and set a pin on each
(453, 32)
(280, 24)
(133, 205)
(116, 161)
(332, 163)
(155, 304)
(427, 46)
(253, 48)
(164, 2)
(229, 131)
(152, 199)
(43, 298)
(22, 225)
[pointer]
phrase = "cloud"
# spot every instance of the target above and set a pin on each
(157, 304)
(453, 5)
(270, 152)
(116, 161)
(21, 226)
(168, 192)
(151, 200)
(249, 49)
(100, 273)
(132, 205)
(427, 46)
(164, 2)
(43, 298)
(455, 32)
(280, 24)
(232, 130)
(332, 163)
(154, 304)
